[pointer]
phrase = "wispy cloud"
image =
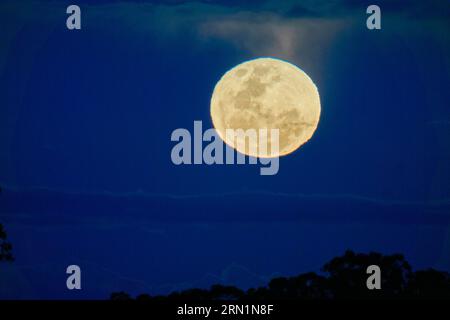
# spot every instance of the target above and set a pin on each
(299, 40)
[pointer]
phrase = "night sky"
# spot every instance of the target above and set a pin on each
(85, 123)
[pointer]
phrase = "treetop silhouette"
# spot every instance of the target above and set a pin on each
(342, 277)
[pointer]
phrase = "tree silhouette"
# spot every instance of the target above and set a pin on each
(120, 296)
(343, 277)
(5, 246)
(143, 297)
(191, 294)
(305, 286)
(219, 292)
(429, 284)
(346, 274)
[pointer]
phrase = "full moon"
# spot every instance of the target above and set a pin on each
(266, 93)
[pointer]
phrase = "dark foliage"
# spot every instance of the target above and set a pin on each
(5, 246)
(343, 277)
(120, 296)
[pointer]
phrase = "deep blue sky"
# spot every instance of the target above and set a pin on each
(89, 113)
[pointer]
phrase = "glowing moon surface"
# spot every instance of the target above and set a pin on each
(266, 93)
